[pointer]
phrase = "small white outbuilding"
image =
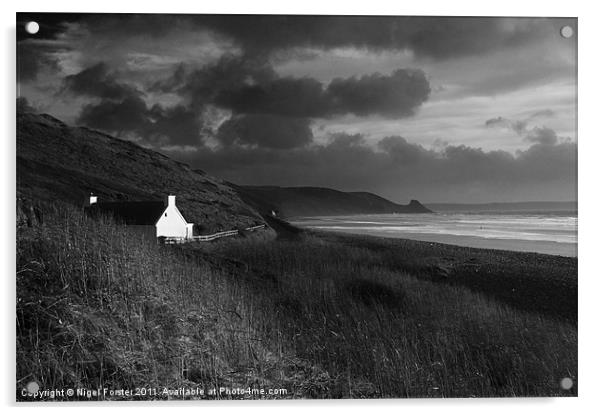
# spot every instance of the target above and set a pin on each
(158, 218)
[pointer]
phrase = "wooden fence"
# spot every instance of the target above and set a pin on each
(206, 238)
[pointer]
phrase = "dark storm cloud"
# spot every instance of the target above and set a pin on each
(176, 125)
(174, 82)
(544, 161)
(156, 125)
(121, 109)
(302, 97)
(432, 37)
(252, 87)
(268, 110)
(542, 135)
(399, 169)
(400, 150)
(397, 95)
(121, 116)
(216, 81)
(269, 131)
(275, 112)
(98, 81)
(268, 35)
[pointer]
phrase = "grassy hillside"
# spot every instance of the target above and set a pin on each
(316, 201)
(101, 306)
(321, 316)
(55, 161)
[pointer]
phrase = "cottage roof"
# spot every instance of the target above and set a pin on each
(131, 213)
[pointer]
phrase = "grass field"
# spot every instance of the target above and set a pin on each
(322, 316)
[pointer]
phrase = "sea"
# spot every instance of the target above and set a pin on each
(552, 232)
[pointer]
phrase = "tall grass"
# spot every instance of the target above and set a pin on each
(99, 305)
(381, 332)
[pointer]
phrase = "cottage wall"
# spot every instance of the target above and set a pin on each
(172, 224)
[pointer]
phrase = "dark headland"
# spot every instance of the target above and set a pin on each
(289, 202)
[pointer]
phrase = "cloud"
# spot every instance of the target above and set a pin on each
(120, 108)
(122, 116)
(545, 161)
(267, 110)
(229, 73)
(120, 37)
(302, 97)
(542, 135)
(172, 83)
(401, 170)
(401, 151)
(269, 131)
(97, 81)
(430, 37)
(117, 107)
(252, 87)
(396, 95)
(434, 37)
(131, 118)
(519, 127)
(176, 125)
(275, 112)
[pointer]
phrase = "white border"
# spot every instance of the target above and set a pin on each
(590, 202)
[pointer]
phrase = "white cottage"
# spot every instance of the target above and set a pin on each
(171, 223)
(158, 218)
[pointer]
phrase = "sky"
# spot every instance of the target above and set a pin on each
(439, 109)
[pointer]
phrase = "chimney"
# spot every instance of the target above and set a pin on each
(171, 200)
(93, 199)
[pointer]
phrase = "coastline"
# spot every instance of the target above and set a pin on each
(453, 237)
(511, 245)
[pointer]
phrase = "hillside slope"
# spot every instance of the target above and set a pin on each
(315, 201)
(56, 161)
